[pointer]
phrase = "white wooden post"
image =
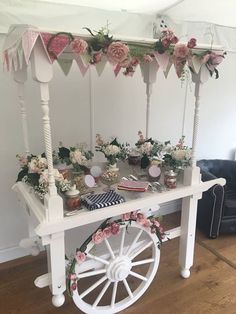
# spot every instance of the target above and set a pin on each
(20, 76)
(91, 101)
(191, 177)
(42, 73)
(149, 73)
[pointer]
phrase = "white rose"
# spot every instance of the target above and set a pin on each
(179, 154)
(111, 150)
(44, 176)
(33, 165)
(146, 148)
(78, 157)
(42, 162)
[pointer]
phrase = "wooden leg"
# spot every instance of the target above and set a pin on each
(56, 266)
(187, 237)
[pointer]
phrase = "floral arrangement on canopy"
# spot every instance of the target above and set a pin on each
(112, 150)
(101, 47)
(106, 230)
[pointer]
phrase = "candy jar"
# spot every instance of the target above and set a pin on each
(72, 199)
(170, 179)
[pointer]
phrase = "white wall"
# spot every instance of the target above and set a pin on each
(120, 110)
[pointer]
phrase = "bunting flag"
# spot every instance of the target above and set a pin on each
(117, 69)
(57, 45)
(65, 65)
(195, 63)
(166, 72)
(28, 41)
(100, 66)
(162, 60)
(83, 68)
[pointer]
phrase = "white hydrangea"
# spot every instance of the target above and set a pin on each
(111, 150)
(77, 157)
(181, 154)
(44, 177)
(38, 164)
(146, 148)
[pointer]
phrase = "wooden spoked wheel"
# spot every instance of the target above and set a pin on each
(120, 270)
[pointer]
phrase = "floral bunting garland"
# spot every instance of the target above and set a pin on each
(101, 47)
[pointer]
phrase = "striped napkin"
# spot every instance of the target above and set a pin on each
(102, 200)
(138, 186)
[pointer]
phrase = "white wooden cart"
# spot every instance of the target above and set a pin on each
(116, 265)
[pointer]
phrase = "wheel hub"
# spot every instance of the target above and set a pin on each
(119, 268)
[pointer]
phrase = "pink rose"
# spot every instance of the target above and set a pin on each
(107, 232)
(181, 51)
(74, 286)
(133, 215)
(79, 46)
(140, 216)
(174, 40)
(215, 59)
(97, 57)
(80, 257)
(156, 223)
(192, 43)
(144, 222)
(117, 52)
(115, 228)
(126, 216)
(134, 62)
(147, 58)
(72, 276)
(165, 42)
(98, 236)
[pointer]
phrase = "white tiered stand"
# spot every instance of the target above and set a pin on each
(52, 224)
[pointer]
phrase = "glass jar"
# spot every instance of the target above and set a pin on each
(72, 200)
(170, 179)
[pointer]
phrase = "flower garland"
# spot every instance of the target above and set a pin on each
(107, 229)
(127, 56)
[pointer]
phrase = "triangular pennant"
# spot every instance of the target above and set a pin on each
(83, 68)
(5, 61)
(179, 65)
(85, 58)
(195, 63)
(117, 69)
(57, 45)
(15, 60)
(166, 72)
(20, 56)
(28, 41)
(100, 66)
(162, 60)
(65, 65)
(149, 71)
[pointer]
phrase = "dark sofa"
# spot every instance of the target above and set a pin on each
(217, 208)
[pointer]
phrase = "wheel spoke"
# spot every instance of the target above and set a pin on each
(92, 273)
(99, 259)
(122, 241)
(109, 249)
(113, 298)
(134, 242)
(142, 262)
(101, 294)
(143, 248)
(95, 285)
(138, 276)
(128, 288)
